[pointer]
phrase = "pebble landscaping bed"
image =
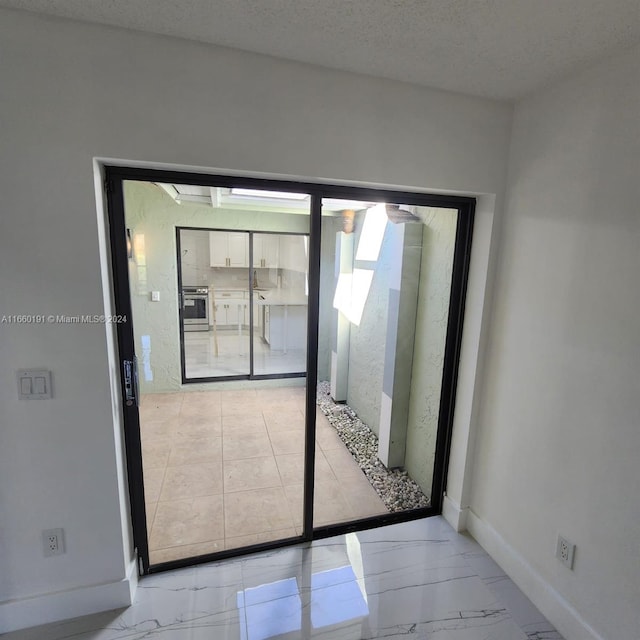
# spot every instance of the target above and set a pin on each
(394, 486)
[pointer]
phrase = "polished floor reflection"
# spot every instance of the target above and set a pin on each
(232, 357)
(418, 579)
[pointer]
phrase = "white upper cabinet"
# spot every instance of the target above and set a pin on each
(266, 250)
(293, 252)
(238, 249)
(194, 256)
(228, 249)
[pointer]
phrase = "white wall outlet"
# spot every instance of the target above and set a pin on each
(565, 551)
(155, 296)
(53, 542)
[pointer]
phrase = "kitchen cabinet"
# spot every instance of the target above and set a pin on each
(228, 249)
(266, 250)
(293, 252)
(230, 307)
(285, 326)
(194, 257)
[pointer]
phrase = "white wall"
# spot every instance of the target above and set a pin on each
(558, 446)
(73, 92)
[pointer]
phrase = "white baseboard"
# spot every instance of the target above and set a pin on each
(72, 603)
(551, 604)
(455, 515)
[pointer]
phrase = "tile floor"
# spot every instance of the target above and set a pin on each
(224, 469)
(418, 579)
(233, 355)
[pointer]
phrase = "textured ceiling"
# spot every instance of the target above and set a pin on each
(495, 48)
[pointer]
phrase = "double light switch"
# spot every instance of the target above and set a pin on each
(34, 384)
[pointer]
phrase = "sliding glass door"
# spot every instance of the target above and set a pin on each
(244, 295)
(386, 276)
(289, 357)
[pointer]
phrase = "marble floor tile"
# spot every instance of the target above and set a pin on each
(410, 580)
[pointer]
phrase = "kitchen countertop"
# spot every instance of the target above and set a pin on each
(282, 298)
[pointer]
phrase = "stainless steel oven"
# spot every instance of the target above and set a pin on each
(195, 308)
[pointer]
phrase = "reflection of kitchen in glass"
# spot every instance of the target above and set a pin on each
(257, 296)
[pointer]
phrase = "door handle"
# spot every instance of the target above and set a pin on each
(131, 384)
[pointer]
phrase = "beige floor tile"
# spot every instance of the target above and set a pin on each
(150, 511)
(247, 423)
(283, 420)
(291, 468)
(153, 483)
(198, 426)
(289, 405)
(241, 408)
(322, 421)
(157, 428)
(197, 409)
(189, 521)
(342, 463)
(278, 394)
(159, 406)
(155, 452)
(192, 480)
(362, 498)
(195, 450)
(258, 511)
(245, 445)
(196, 397)
(156, 400)
(328, 439)
(323, 470)
(289, 441)
(238, 395)
(251, 473)
(329, 504)
(295, 500)
(256, 538)
(185, 551)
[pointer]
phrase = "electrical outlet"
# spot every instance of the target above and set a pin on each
(565, 551)
(53, 542)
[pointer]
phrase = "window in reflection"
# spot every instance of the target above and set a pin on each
(273, 609)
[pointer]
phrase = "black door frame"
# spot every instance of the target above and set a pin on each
(465, 206)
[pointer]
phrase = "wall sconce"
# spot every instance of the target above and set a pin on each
(129, 245)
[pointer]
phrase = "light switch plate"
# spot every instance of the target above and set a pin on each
(34, 384)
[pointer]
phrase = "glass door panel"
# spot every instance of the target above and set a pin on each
(280, 297)
(384, 299)
(222, 464)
